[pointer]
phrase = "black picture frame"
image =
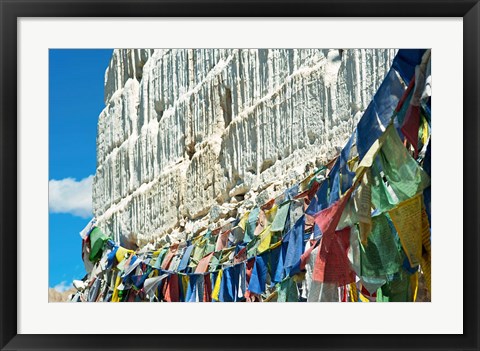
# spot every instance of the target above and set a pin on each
(11, 10)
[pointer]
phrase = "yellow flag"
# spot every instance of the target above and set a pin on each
(185, 280)
(424, 131)
(363, 206)
(426, 269)
(270, 214)
(425, 231)
(277, 244)
(243, 222)
(367, 160)
(363, 298)
(353, 163)
(226, 254)
(121, 252)
(426, 257)
(216, 288)
(352, 288)
(265, 238)
(115, 290)
(304, 183)
(414, 286)
(407, 219)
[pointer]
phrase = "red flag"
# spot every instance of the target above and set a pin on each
(250, 264)
(240, 256)
(171, 291)
(327, 219)
(306, 255)
(222, 240)
(365, 292)
(268, 205)
(410, 126)
(202, 266)
(207, 289)
(332, 264)
(405, 95)
(313, 189)
(168, 259)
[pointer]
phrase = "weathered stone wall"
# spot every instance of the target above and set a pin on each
(191, 136)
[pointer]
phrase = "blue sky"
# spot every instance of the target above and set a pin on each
(76, 79)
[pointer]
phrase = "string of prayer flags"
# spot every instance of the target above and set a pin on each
(358, 231)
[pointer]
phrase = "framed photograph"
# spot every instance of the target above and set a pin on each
(278, 166)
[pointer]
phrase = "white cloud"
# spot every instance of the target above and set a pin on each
(71, 196)
(63, 286)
